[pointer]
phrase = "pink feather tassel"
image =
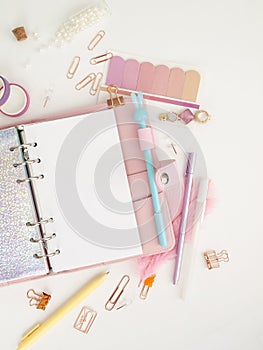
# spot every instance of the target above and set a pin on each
(148, 265)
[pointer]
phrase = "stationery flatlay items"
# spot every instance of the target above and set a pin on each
(162, 179)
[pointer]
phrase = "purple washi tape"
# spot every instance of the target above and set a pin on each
(5, 86)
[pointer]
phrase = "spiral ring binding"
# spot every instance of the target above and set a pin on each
(46, 238)
(30, 178)
(23, 145)
(40, 222)
(28, 161)
(56, 252)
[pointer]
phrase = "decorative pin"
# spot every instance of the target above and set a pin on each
(85, 319)
(114, 101)
(213, 259)
(147, 284)
(40, 300)
(117, 293)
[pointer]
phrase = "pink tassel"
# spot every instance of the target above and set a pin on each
(148, 265)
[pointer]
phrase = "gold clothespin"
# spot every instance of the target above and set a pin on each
(85, 319)
(213, 259)
(117, 293)
(40, 300)
(147, 284)
(114, 101)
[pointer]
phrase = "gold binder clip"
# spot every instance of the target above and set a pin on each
(73, 67)
(85, 319)
(101, 58)
(96, 84)
(40, 300)
(147, 284)
(85, 81)
(117, 293)
(213, 259)
(114, 101)
(97, 38)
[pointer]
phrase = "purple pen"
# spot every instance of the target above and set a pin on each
(185, 210)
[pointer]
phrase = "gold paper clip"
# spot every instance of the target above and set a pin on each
(118, 291)
(85, 319)
(146, 286)
(102, 58)
(114, 101)
(40, 300)
(97, 38)
(73, 67)
(213, 259)
(96, 84)
(85, 81)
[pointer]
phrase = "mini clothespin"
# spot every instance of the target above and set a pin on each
(213, 259)
(40, 300)
(114, 101)
(147, 284)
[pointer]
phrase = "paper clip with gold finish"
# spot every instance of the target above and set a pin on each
(97, 38)
(213, 259)
(85, 81)
(114, 101)
(73, 67)
(147, 284)
(40, 300)
(101, 58)
(117, 293)
(85, 319)
(96, 84)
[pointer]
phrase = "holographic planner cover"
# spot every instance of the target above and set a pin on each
(16, 209)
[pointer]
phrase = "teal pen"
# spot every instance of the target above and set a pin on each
(141, 115)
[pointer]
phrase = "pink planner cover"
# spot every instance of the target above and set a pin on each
(136, 173)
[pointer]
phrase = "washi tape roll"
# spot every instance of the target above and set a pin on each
(4, 90)
(17, 103)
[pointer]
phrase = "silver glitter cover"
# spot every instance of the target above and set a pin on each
(16, 209)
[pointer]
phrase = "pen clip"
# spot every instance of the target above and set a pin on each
(27, 335)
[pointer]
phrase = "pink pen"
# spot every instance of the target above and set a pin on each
(185, 210)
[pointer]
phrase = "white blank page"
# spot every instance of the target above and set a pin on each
(85, 189)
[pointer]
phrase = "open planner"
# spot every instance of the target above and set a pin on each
(66, 199)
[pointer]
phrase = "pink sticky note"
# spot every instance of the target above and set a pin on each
(160, 80)
(130, 74)
(145, 79)
(176, 83)
(115, 71)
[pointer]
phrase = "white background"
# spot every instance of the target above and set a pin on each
(223, 309)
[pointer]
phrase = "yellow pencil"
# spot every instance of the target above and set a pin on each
(41, 329)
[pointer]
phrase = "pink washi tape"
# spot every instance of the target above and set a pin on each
(17, 103)
(4, 90)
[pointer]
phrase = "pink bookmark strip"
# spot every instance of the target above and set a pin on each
(176, 83)
(191, 85)
(146, 75)
(160, 80)
(115, 71)
(130, 74)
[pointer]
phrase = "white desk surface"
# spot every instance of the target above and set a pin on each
(223, 38)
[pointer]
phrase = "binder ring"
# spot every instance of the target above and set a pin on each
(30, 178)
(40, 222)
(28, 161)
(46, 238)
(56, 252)
(23, 145)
